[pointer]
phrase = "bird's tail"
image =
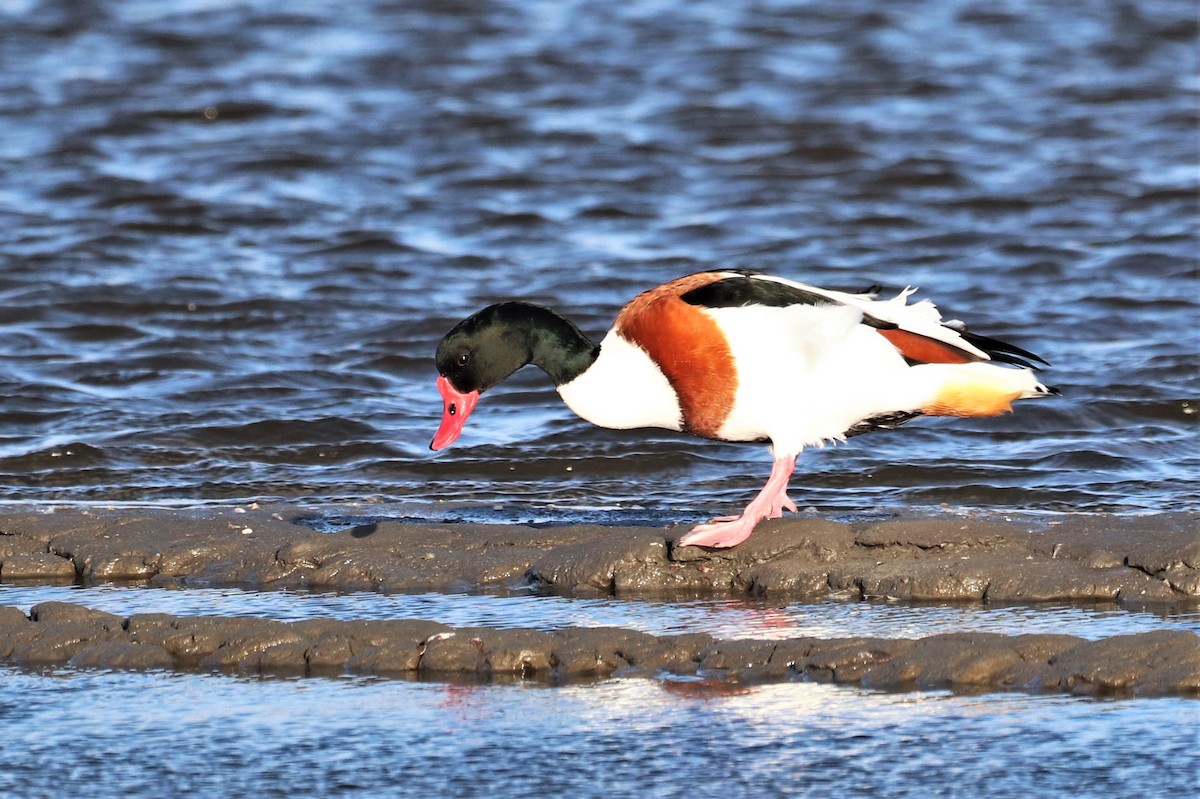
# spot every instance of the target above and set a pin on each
(975, 389)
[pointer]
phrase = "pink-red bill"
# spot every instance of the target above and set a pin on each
(456, 407)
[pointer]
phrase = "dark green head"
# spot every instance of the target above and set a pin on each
(488, 346)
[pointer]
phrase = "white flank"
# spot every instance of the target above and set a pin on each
(623, 389)
(807, 373)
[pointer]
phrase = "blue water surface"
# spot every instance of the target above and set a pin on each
(232, 233)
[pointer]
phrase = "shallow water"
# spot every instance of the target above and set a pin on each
(121, 734)
(231, 235)
(723, 618)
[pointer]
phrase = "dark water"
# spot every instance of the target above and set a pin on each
(231, 235)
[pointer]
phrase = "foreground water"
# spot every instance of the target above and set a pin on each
(360, 738)
(146, 734)
(140, 734)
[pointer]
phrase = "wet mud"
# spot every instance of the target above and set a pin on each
(64, 634)
(1134, 561)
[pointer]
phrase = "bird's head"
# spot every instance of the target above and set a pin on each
(479, 352)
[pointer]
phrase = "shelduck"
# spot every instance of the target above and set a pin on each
(735, 355)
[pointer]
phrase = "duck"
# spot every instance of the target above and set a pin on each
(736, 355)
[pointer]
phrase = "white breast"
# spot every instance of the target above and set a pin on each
(623, 389)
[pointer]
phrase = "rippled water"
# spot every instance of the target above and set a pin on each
(723, 618)
(113, 734)
(231, 235)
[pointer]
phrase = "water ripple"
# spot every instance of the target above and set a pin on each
(232, 237)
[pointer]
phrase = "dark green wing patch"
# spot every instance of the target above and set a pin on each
(741, 291)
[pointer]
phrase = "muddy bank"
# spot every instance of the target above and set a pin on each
(1133, 560)
(58, 634)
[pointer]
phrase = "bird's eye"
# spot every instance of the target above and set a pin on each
(464, 358)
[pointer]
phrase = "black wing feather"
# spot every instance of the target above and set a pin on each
(743, 290)
(1002, 351)
(887, 421)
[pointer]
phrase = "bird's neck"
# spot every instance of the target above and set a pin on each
(557, 346)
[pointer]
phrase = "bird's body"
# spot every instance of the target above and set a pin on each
(738, 356)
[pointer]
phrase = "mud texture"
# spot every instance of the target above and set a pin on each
(1132, 560)
(1136, 561)
(58, 634)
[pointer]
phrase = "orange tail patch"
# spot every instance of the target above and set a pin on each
(972, 396)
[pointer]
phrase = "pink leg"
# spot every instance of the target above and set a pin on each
(769, 504)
